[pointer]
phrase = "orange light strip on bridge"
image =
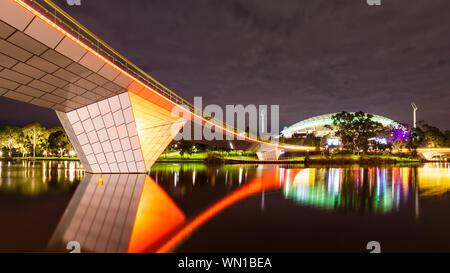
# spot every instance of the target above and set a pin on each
(70, 36)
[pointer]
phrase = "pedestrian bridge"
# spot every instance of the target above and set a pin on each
(118, 118)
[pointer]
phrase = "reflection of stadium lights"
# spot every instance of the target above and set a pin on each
(72, 153)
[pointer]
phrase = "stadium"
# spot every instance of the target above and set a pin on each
(317, 126)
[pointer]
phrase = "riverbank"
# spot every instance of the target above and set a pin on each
(39, 158)
(250, 158)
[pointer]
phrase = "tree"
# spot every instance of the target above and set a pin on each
(398, 137)
(58, 141)
(355, 129)
(430, 136)
(447, 138)
(10, 139)
(36, 137)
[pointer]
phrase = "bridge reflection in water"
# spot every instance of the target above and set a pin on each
(138, 213)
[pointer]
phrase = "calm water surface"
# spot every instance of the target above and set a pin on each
(228, 208)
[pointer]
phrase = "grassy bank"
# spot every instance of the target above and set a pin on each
(235, 157)
(203, 156)
(352, 159)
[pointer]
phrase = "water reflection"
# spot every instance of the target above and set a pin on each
(118, 213)
(34, 178)
(160, 212)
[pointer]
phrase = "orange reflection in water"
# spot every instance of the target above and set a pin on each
(156, 217)
(433, 180)
(268, 180)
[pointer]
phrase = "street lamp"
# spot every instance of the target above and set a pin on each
(414, 106)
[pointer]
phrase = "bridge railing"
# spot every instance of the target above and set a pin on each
(65, 21)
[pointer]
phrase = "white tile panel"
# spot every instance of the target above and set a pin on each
(92, 137)
(116, 145)
(98, 123)
(115, 149)
(104, 107)
(119, 156)
(109, 72)
(87, 149)
(114, 167)
(128, 115)
(140, 165)
(83, 113)
(44, 33)
(118, 118)
(78, 128)
(114, 103)
(73, 117)
(83, 139)
(122, 131)
(88, 125)
(100, 158)
(92, 62)
(70, 49)
(132, 167)
(106, 147)
(124, 100)
(129, 156)
(108, 120)
(110, 158)
(112, 133)
(125, 142)
(15, 15)
(131, 128)
(135, 143)
(92, 159)
(105, 168)
(123, 168)
(93, 110)
(97, 147)
(123, 81)
(138, 155)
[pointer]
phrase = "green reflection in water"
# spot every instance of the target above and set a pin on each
(378, 189)
(369, 189)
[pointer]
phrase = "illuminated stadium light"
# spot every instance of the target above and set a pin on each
(317, 124)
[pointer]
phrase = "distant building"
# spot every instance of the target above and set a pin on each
(317, 126)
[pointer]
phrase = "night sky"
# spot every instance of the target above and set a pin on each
(309, 56)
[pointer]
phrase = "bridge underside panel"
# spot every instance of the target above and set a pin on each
(156, 127)
(105, 137)
(41, 65)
